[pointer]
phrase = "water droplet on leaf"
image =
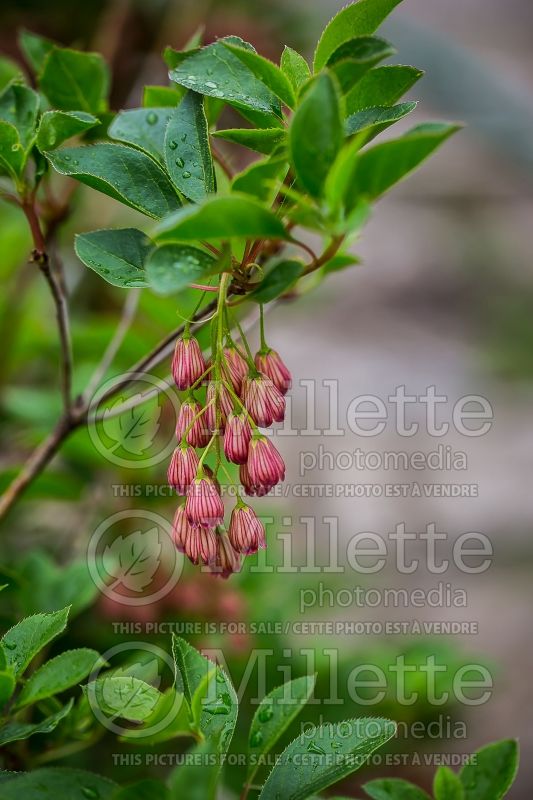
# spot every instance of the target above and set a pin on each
(313, 747)
(256, 739)
(266, 713)
(151, 118)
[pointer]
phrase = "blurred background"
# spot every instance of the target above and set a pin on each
(443, 298)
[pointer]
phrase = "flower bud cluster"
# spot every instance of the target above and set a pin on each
(241, 395)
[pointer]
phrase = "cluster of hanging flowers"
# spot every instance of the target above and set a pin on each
(242, 395)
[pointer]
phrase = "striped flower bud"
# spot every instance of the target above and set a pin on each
(265, 464)
(250, 488)
(270, 363)
(188, 363)
(182, 468)
(204, 506)
(198, 433)
(181, 530)
(201, 545)
(237, 438)
(263, 401)
(198, 544)
(220, 398)
(235, 368)
(246, 532)
(227, 560)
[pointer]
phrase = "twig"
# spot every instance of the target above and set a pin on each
(77, 415)
(36, 463)
(328, 253)
(129, 310)
(41, 258)
(159, 353)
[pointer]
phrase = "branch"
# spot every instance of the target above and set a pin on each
(36, 463)
(160, 351)
(328, 254)
(128, 313)
(41, 258)
(78, 413)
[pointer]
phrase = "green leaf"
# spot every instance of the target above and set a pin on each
(353, 59)
(118, 256)
(52, 783)
(295, 68)
(447, 785)
(267, 72)
(24, 640)
(274, 715)
(262, 140)
(172, 267)
(123, 696)
(35, 49)
(144, 790)
(169, 719)
(358, 19)
(280, 278)
(126, 174)
(318, 758)
(191, 666)
(235, 216)
(208, 691)
(217, 72)
(376, 119)
(316, 134)
(74, 81)
(56, 127)
(13, 731)
(187, 153)
(259, 119)
(382, 86)
(19, 105)
(7, 685)
(12, 157)
(394, 789)
(58, 674)
(162, 96)
(197, 779)
(491, 772)
(260, 179)
(9, 71)
(144, 129)
(380, 167)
